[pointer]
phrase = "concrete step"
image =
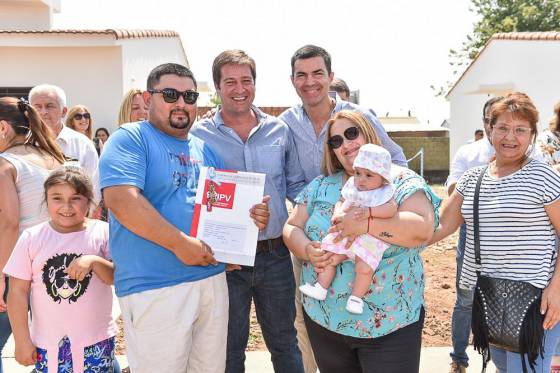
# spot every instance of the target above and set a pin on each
(432, 360)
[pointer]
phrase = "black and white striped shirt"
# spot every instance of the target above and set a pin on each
(517, 238)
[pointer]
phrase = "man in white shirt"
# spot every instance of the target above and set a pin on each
(50, 102)
(475, 154)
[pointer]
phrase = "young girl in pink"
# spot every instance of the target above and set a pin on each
(370, 187)
(64, 264)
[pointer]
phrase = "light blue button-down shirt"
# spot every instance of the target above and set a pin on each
(310, 146)
(270, 149)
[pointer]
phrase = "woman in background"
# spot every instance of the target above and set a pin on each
(133, 108)
(80, 120)
(28, 152)
(548, 150)
(101, 136)
(548, 142)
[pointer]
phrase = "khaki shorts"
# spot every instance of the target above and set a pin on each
(181, 328)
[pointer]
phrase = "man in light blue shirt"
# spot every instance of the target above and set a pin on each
(250, 140)
(311, 78)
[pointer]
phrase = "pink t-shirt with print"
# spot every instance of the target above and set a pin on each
(61, 306)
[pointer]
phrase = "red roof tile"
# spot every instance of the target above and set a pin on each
(117, 33)
(548, 35)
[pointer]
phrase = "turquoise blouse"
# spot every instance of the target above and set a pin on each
(396, 295)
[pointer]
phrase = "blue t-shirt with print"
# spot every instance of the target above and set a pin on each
(166, 170)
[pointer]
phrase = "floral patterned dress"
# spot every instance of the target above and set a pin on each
(548, 147)
(396, 295)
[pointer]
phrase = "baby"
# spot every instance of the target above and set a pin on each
(370, 187)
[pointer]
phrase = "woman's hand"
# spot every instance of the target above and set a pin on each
(346, 225)
(26, 353)
(550, 305)
(319, 258)
(361, 213)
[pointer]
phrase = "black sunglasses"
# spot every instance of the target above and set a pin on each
(79, 116)
(171, 95)
(350, 133)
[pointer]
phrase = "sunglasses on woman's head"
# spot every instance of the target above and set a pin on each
(171, 95)
(350, 133)
(79, 116)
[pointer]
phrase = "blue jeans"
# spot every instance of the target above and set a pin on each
(510, 362)
(270, 284)
(462, 312)
(5, 327)
(5, 332)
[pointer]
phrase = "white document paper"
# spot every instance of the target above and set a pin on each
(224, 223)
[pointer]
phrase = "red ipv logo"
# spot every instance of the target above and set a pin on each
(223, 194)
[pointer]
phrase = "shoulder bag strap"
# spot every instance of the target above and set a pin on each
(475, 218)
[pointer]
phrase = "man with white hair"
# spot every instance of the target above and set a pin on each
(50, 102)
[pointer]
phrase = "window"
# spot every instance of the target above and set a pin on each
(14, 91)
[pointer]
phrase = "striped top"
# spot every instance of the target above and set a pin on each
(517, 239)
(29, 185)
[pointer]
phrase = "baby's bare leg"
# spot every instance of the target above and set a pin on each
(363, 278)
(326, 277)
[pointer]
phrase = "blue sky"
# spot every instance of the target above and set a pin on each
(392, 50)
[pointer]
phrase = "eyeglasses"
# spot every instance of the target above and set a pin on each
(171, 95)
(80, 116)
(517, 131)
(350, 133)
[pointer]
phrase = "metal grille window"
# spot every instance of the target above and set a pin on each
(14, 91)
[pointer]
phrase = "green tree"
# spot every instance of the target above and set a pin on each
(215, 100)
(502, 16)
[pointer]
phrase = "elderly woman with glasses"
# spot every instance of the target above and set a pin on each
(518, 220)
(386, 337)
(80, 120)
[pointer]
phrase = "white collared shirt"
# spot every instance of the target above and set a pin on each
(81, 150)
(468, 156)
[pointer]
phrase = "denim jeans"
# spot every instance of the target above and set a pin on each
(5, 327)
(270, 284)
(462, 312)
(5, 332)
(510, 362)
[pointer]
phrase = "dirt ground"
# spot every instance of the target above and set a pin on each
(439, 269)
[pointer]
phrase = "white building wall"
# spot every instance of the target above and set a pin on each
(527, 66)
(140, 56)
(90, 76)
(465, 115)
(23, 15)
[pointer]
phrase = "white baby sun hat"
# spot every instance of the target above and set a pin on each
(374, 158)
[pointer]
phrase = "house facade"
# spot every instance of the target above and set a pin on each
(518, 61)
(94, 67)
